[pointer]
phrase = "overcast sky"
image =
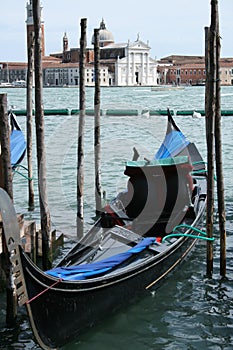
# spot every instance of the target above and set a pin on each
(170, 26)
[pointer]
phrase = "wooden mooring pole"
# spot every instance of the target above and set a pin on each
(98, 200)
(41, 153)
(6, 183)
(5, 147)
(82, 111)
(213, 135)
(218, 153)
(210, 115)
(29, 119)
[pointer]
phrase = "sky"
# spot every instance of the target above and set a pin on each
(171, 27)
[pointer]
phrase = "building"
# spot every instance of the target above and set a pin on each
(12, 71)
(129, 63)
(190, 70)
(30, 28)
(226, 71)
(121, 64)
(67, 74)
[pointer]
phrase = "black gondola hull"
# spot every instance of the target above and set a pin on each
(72, 308)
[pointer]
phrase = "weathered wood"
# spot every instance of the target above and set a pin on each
(213, 132)
(6, 175)
(210, 116)
(82, 107)
(218, 153)
(29, 120)
(41, 153)
(98, 200)
(6, 169)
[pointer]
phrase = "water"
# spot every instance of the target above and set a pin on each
(189, 311)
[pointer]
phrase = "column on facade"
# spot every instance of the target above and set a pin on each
(142, 80)
(133, 68)
(147, 67)
(128, 68)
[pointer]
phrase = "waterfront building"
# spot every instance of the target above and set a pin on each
(67, 74)
(12, 71)
(190, 70)
(121, 64)
(129, 63)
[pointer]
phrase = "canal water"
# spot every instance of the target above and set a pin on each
(189, 311)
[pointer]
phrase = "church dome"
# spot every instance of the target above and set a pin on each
(105, 36)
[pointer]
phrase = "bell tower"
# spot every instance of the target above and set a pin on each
(65, 43)
(30, 27)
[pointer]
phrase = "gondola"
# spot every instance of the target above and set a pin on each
(140, 237)
(17, 142)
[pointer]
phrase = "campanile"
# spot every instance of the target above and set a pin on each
(30, 27)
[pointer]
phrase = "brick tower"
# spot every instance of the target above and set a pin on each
(30, 27)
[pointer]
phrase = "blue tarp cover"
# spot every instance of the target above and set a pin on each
(81, 272)
(17, 146)
(172, 145)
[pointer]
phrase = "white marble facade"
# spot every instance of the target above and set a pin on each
(137, 68)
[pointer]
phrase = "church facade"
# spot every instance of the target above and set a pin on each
(137, 67)
(126, 64)
(129, 63)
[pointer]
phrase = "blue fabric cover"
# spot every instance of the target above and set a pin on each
(81, 272)
(17, 146)
(172, 145)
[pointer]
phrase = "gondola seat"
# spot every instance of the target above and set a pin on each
(158, 191)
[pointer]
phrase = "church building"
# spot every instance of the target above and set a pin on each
(129, 64)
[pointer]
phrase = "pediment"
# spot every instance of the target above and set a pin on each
(139, 45)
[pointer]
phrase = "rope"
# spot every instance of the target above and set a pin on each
(179, 234)
(18, 172)
(201, 170)
(43, 291)
(199, 162)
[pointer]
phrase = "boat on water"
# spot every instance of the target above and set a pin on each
(14, 84)
(17, 142)
(167, 88)
(140, 237)
(19, 83)
(6, 85)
